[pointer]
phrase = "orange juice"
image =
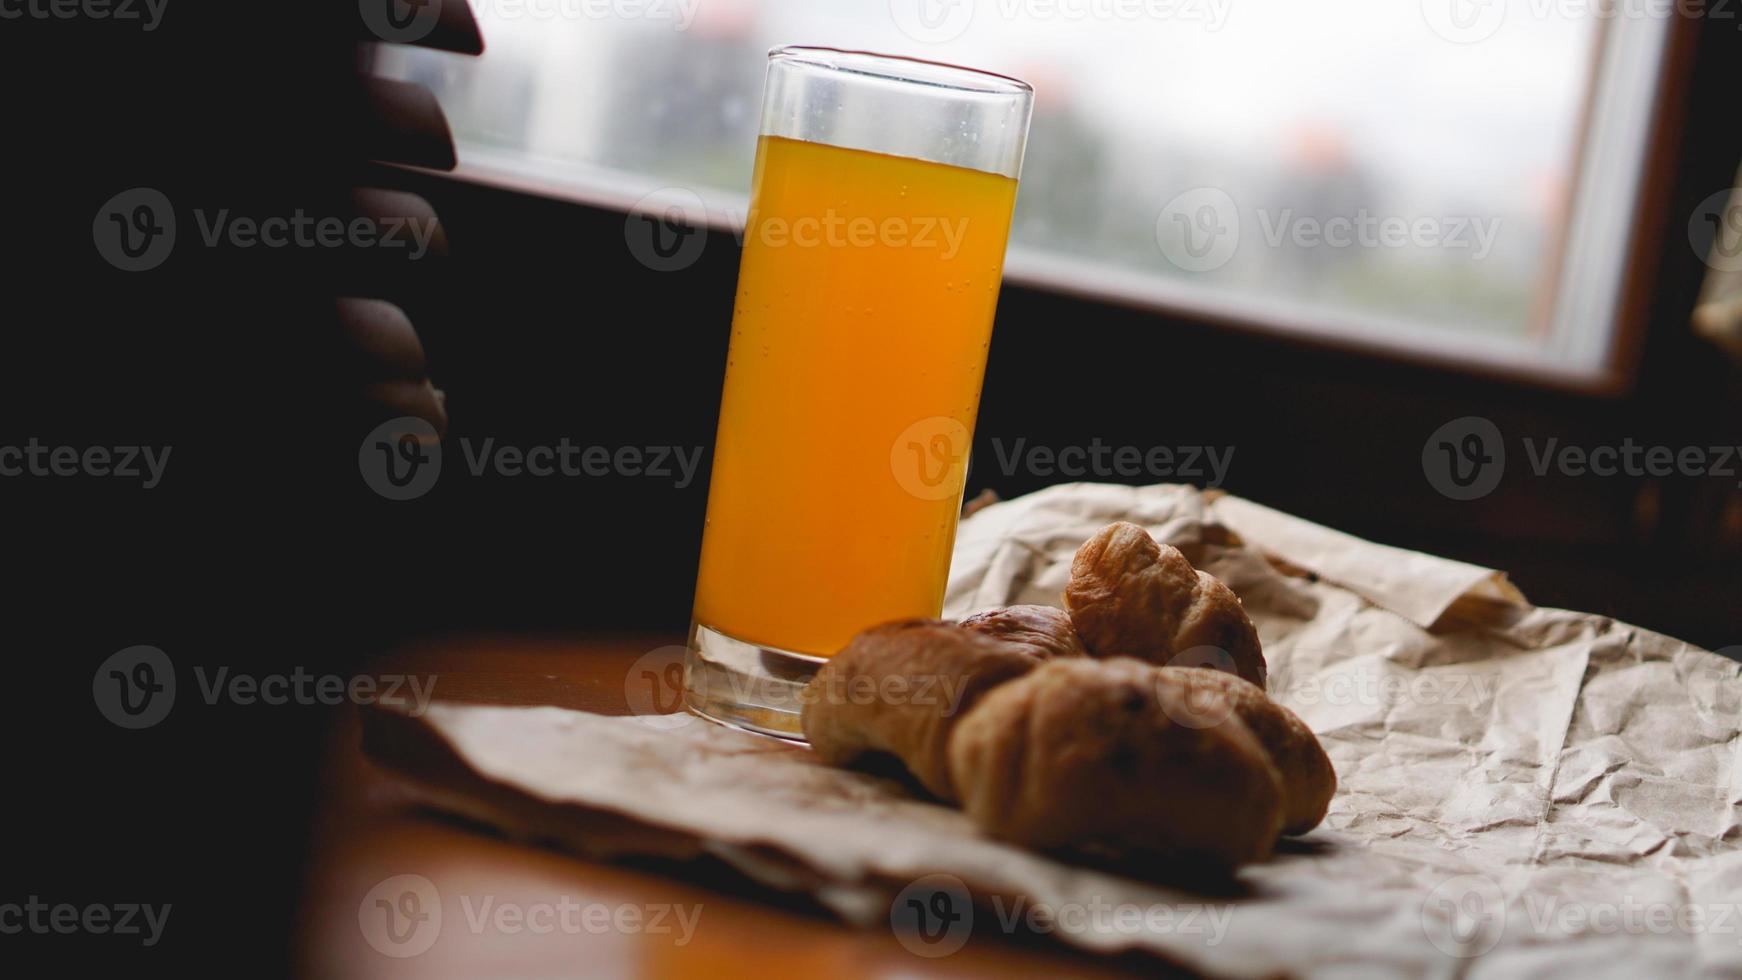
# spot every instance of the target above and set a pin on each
(859, 340)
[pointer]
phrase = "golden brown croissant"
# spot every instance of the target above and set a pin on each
(1308, 781)
(1085, 753)
(1045, 632)
(1123, 750)
(1130, 597)
(899, 689)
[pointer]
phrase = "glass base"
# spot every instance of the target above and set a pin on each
(746, 685)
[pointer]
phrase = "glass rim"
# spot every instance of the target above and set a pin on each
(901, 68)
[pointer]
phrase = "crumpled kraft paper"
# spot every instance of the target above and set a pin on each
(1521, 790)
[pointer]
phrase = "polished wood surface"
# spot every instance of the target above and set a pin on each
(368, 831)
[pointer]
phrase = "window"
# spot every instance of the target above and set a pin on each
(1450, 178)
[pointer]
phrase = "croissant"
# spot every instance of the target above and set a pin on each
(1045, 632)
(1093, 754)
(899, 689)
(1088, 729)
(1130, 597)
(1308, 781)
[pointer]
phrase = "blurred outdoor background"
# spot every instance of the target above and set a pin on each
(1158, 124)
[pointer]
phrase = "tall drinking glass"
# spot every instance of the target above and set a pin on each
(880, 209)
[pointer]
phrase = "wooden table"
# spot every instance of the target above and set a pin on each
(368, 831)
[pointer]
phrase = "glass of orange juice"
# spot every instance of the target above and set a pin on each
(874, 246)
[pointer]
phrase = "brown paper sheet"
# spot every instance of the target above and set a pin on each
(1522, 790)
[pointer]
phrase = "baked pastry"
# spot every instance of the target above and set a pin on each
(1043, 631)
(1308, 781)
(1131, 597)
(900, 688)
(1089, 754)
(1088, 729)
